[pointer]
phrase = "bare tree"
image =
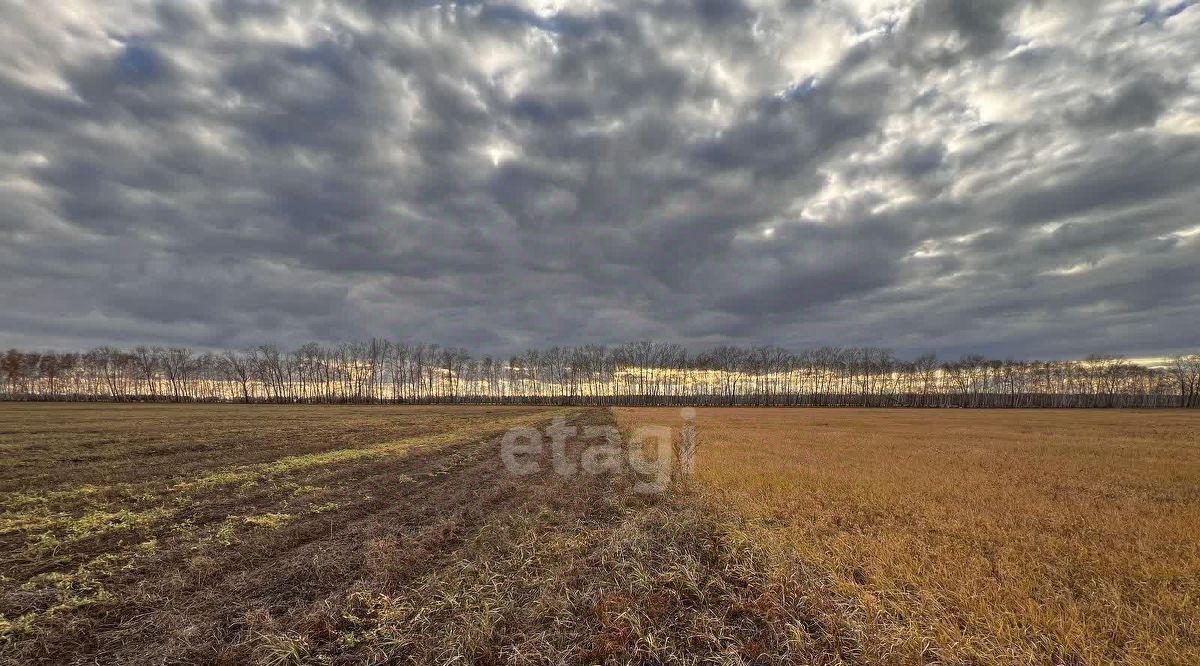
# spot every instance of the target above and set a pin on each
(1186, 371)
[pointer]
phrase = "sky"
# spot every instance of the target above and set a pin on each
(1019, 179)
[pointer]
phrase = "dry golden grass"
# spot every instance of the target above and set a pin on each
(967, 537)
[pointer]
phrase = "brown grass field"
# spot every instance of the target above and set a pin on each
(140, 534)
(969, 536)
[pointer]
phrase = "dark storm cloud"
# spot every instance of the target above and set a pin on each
(944, 32)
(1136, 104)
(1002, 177)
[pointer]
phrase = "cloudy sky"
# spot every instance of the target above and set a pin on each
(1012, 178)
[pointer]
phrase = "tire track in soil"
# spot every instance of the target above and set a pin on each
(172, 613)
(590, 573)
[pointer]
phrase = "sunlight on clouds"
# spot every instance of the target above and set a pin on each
(1185, 233)
(1182, 122)
(825, 202)
(942, 247)
(499, 151)
(324, 130)
(1073, 269)
(927, 249)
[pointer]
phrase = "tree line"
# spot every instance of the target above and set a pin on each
(639, 373)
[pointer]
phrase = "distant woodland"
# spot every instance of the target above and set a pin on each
(641, 373)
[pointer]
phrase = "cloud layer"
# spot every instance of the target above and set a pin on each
(1012, 178)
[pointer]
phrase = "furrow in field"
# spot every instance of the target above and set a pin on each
(222, 509)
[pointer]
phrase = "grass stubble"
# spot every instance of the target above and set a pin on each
(967, 536)
(349, 535)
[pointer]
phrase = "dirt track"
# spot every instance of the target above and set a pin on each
(378, 551)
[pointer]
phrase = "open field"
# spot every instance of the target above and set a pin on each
(127, 527)
(345, 535)
(959, 536)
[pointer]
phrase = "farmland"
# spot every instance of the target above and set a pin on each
(970, 536)
(331, 534)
